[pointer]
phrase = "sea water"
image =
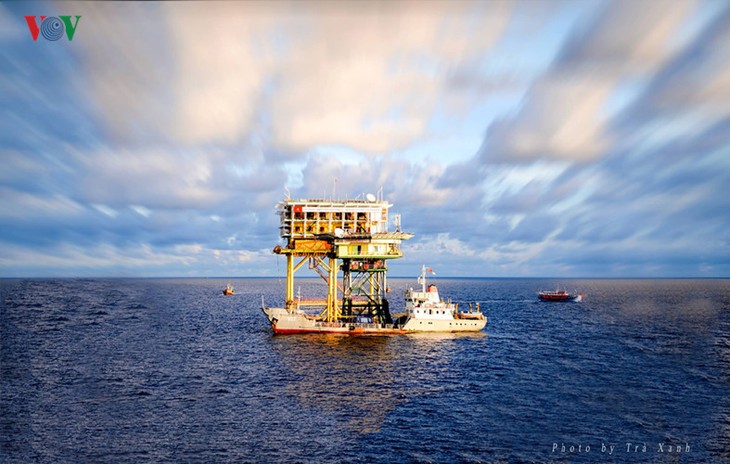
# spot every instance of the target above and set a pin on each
(152, 370)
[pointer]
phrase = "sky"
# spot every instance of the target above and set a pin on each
(516, 139)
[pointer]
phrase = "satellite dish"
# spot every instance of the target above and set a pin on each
(370, 197)
(339, 233)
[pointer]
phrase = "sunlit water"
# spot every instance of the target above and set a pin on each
(131, 371)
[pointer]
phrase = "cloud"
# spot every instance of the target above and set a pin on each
(561, 174)
(628, 38)
(219, 81)
(304, 74)
(103, 259)
(370, 77)
(566, 113)
(691, 92)
(128, 71)
(159, 196)
(152, 178)
(18, 206)
(562, 120)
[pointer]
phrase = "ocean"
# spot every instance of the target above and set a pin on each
(170, 370)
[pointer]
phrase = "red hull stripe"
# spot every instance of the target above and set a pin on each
(339, 332)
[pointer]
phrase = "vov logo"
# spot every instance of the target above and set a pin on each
(51, 27)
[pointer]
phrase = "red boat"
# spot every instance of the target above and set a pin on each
(559, 295)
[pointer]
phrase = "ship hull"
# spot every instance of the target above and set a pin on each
(445, 325)
(561, 298)
(285, 322)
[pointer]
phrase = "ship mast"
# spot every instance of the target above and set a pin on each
(349, 236)
(422, 279)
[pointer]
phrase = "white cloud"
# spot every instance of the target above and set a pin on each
(156, 177)
(566, 114)
(104, 259)
(68, 258)
(562, 119)
(370, 77)
(22, 206)
(694, 89)
(306, 73)
(222, 60)
(141, 210)
(104, 209)
(129, 70)
(630, 38)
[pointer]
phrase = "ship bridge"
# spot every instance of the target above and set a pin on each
(350, 236)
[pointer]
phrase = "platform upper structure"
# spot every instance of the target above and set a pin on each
(343, 229)
(333, 236)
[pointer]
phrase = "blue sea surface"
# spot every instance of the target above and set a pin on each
(152, 370)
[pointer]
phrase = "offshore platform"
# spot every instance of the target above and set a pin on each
(352, 237)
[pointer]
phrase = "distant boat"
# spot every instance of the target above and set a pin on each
(559, 295)
(228, 290)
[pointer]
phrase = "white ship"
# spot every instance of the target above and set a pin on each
(426, 312)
